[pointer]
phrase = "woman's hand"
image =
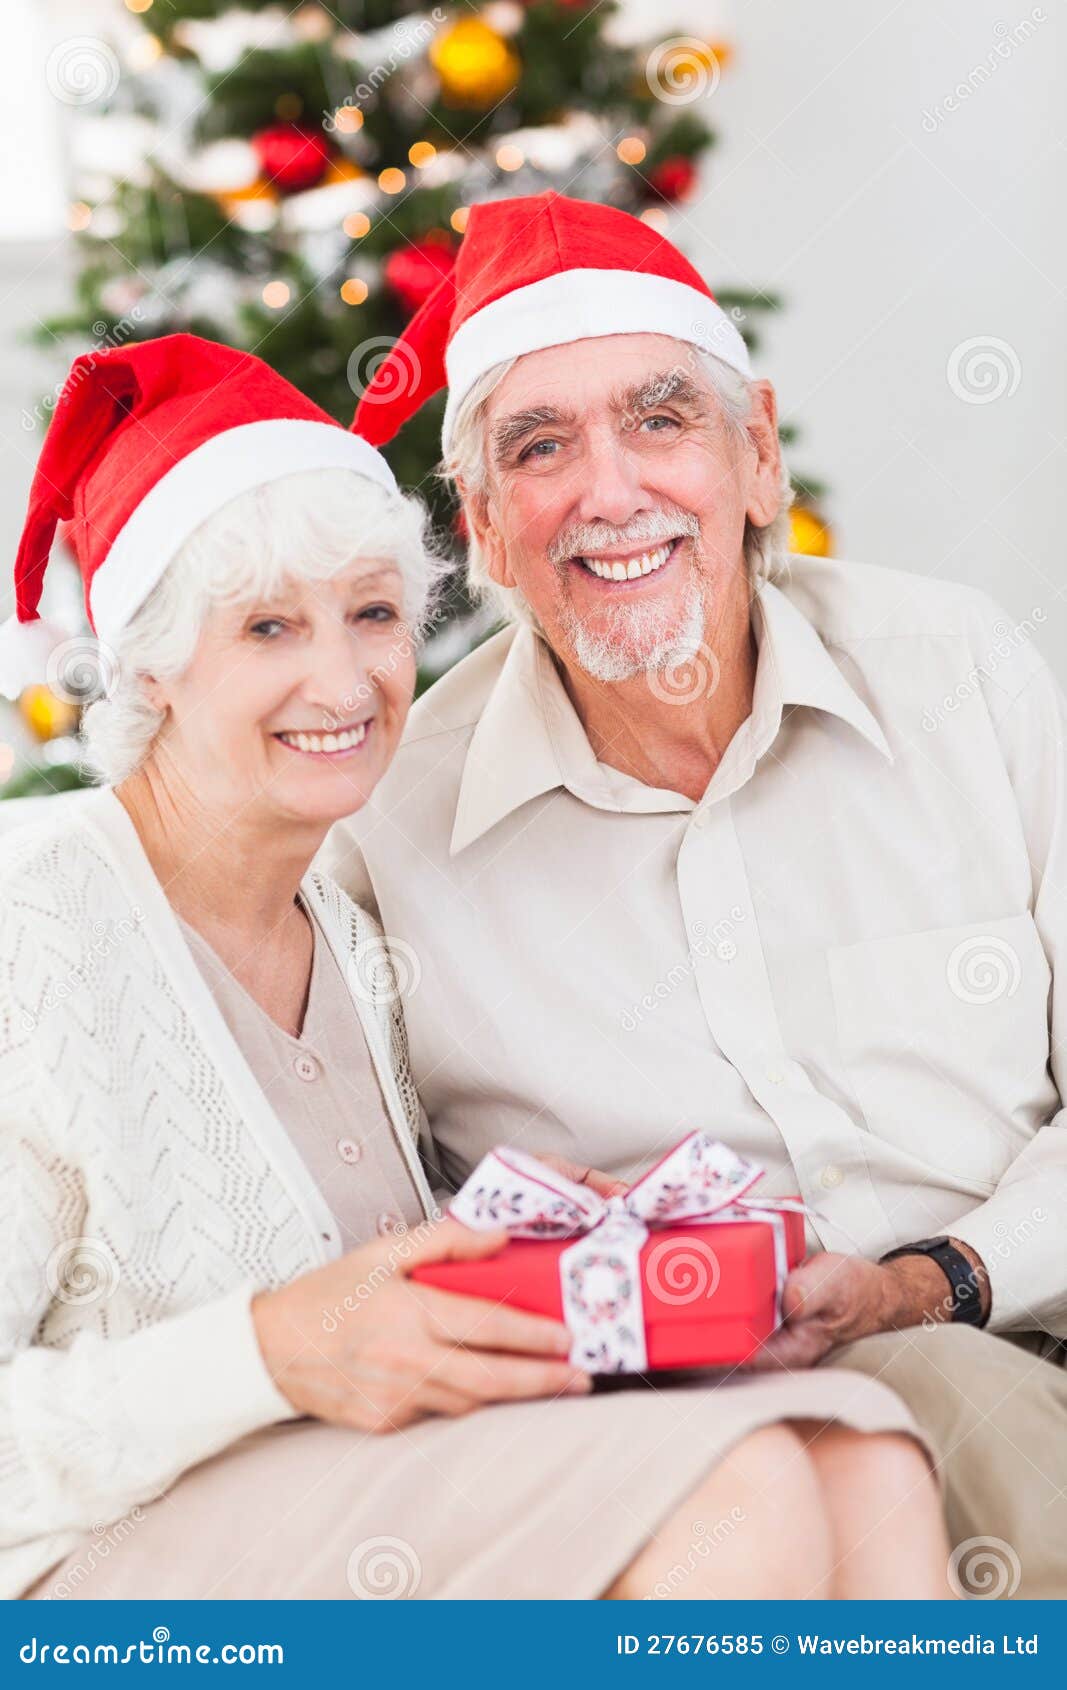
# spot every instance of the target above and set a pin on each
(358, 1343)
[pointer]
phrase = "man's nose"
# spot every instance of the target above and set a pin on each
(611, 489)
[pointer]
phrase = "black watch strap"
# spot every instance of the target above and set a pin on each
(966, 1291)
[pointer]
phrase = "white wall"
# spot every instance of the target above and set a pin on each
(896, 242)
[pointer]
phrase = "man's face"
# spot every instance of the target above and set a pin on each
(617, 498)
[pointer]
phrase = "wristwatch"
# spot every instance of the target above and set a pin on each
(966, 1291)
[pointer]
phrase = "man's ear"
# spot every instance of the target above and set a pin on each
(764, 495)
(478, 510)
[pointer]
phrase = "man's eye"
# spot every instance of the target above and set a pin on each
(535, 450)
(671, 421)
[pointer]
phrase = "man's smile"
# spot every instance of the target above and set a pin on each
(625, 567)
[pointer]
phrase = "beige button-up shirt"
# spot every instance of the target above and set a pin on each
(840, 960)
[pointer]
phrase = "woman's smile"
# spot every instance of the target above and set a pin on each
(333, 746)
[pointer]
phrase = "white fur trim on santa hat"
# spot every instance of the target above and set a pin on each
(582, 305)
(200, 484)
(25, 650)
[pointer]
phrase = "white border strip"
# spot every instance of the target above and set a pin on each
(581, 305)
(200, 484)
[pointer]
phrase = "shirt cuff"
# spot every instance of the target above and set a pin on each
(1010, 1240)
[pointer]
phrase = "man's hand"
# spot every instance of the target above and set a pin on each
(831, 1300)
(603, 1184)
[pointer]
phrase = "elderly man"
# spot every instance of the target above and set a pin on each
(710, 835)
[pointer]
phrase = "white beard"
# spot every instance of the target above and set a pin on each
(639, 639)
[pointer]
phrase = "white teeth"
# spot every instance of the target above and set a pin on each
(343, 741)
(609, 570)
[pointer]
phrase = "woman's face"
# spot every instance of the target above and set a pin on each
(295, 703)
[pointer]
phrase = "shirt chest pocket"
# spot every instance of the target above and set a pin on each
(943, 1037)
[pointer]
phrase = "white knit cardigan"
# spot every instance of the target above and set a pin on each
(147, 1188)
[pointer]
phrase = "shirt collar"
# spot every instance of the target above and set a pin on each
(529, 739)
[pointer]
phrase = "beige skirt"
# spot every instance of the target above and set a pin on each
(533, 1499)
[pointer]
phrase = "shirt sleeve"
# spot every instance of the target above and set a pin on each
(1018, 1231)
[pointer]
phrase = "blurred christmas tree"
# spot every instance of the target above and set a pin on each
(296, 181)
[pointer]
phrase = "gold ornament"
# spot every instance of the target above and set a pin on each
(475, 64)
(808, 533)
(46, 714)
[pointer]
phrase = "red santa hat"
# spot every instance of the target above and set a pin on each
(541, 271)
(147, 441)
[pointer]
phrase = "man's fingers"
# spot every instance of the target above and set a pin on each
(483, 1325)
(603, 1184)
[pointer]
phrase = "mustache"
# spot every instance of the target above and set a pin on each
(581, 538)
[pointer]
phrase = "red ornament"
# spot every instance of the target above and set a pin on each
(412, 272)
(291, 158)
(674, 178)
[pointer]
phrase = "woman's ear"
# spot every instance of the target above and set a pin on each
(154, 692)
(764, 488)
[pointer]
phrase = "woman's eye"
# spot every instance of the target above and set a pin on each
(264, 629)
(379, 613)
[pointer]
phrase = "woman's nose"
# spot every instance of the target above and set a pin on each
(339, 677)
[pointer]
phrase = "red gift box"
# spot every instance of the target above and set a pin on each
(695, 1314)
(682, 1270)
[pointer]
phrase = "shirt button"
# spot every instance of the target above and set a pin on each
(388, 1223)
(702, 818)
(726, 950)
(305, 1067)
(831, 1176)
(348, 1150)
(775, 1075)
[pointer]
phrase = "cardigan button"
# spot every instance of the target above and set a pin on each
(349, 1150)
(305, 1067)
(390, 1223)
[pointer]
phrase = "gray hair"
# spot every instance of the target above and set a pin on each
(305, 526)
(766, 549)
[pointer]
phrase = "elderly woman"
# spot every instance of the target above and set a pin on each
(212, 1196)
